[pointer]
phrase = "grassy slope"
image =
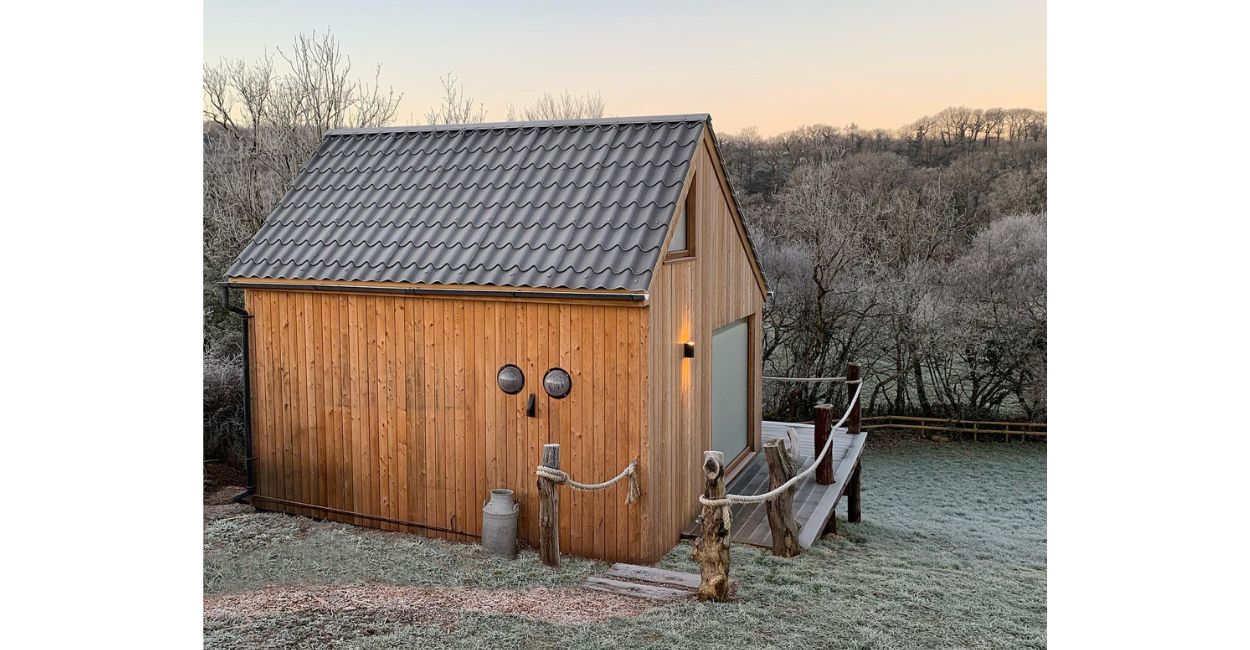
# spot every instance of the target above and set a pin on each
(951, 553)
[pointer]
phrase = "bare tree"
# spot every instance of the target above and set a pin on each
(261, 125)
(1024, 124)
(565, 106)
(817, 258)
(995, 123)
(456, 107)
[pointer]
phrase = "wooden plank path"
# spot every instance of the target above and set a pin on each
(814, 503)
(647, 582)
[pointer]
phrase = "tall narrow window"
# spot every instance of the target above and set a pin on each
(681, 244)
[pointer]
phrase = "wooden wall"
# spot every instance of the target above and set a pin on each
(689, 299)
(387, 407)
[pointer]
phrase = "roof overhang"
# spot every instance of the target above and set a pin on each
(437, 291)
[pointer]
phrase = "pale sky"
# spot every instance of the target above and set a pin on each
(771, 65)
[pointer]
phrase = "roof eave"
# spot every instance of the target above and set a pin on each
(482, 291)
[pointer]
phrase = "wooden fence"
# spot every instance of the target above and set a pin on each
(1025, 430)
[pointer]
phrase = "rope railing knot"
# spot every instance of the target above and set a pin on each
(562, 477)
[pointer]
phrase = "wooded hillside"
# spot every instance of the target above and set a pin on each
(920, 253)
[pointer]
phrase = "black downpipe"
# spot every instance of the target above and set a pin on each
(250, 461)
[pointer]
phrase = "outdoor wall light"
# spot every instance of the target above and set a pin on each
(687, 349)
(511, 379)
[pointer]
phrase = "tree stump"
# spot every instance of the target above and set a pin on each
(781, 508)
(549, 510)
(711, 549)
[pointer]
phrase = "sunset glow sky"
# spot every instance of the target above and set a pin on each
(774, 66)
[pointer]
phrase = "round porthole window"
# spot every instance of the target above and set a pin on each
(557, 383)
(511, 379)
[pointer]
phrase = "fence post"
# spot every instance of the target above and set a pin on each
(853, 427)
(824, 428)
(711, 549)
(852, 375)
(852, 494)
(549, 510)
(781, 509)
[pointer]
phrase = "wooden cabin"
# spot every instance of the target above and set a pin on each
(420, 292)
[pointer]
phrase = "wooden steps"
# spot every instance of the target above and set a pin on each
(647, 582)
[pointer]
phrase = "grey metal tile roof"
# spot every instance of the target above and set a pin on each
(579, 204)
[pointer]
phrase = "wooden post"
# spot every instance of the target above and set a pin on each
(852, 421)
(549, 510)
(781, 508)
(711, 549)
(852, 495)
(824, 428)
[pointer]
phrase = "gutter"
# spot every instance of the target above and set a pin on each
(427, 291)
(250, 458)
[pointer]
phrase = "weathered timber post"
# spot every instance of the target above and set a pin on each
(852, 377)
(824, 429)
(852, 495)
(781, 508)
(853, 427)
(711, 549)
(549, 510)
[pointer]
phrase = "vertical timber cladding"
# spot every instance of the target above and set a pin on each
(690, 298)
(385, 409)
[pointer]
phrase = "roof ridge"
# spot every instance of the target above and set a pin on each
(502, 126)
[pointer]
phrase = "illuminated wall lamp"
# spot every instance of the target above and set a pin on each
(687, 349)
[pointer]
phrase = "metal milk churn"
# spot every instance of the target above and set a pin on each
(499, 516)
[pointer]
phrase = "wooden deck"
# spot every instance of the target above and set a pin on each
(813, 503)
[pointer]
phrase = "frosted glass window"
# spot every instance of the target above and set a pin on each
(730, 391)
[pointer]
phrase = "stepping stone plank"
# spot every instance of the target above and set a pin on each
(648, 582)
(658, 576)
(652, 592)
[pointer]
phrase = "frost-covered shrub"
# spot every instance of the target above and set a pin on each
(985, 323)
(223, 409)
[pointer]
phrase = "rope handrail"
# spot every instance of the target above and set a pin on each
(729, 499)
(562, 477)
